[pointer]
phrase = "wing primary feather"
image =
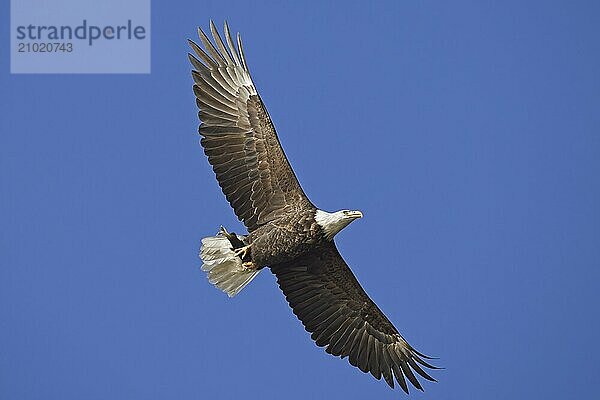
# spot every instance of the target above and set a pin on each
(409, 374)
(219, 59)
(230, 44)
(419, 370)
(242, 55)
(424, 363)
(386, 365)
(220, 44)
(374, 358)
(421, 354)
(202, 54)
(197, 63)
(400, 377)
(396, 367)
(363, 352)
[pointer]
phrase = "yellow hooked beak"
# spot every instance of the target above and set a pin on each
(355, 214)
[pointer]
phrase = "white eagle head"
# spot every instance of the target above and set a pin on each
(332, 223)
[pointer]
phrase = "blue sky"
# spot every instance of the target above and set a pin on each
(467, 133)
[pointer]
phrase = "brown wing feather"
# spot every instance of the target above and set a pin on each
(238, 136)
(325, 295)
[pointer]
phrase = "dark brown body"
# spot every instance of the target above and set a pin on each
(285, 238)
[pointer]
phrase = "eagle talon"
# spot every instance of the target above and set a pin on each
(248, 265)
(242, 252)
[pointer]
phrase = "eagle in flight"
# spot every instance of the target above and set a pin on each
(286, 232)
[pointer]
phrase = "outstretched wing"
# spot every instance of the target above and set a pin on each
(238, 136)
(327, 298)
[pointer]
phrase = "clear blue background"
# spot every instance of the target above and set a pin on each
(468, 133)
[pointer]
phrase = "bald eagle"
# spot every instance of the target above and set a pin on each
(286, 232)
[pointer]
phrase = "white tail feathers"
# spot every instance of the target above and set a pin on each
(223, 267)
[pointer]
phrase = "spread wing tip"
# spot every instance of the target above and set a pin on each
(224, 55)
